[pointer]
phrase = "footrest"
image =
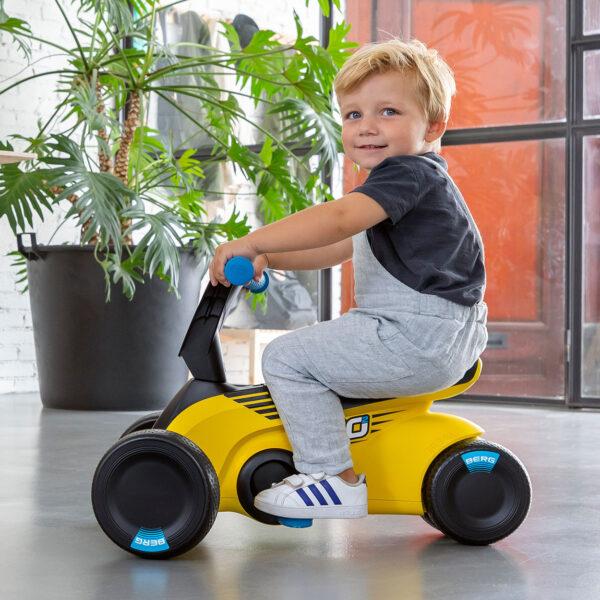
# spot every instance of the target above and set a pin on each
(295, 523)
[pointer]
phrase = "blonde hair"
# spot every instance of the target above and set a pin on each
(434, 79)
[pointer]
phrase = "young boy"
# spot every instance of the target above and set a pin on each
(418, 267)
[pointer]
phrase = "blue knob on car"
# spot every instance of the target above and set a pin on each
(240, 271)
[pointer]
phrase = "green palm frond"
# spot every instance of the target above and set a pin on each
(324, 5)
(205, 239)
(157, 250)
(101, 196)
(22, 193)
(15, 28)
(339, 46)
(84, 105)
(19, 264)
(118, 12)
(160, 193)
(303, 125)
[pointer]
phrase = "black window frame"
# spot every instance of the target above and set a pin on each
(578, 128)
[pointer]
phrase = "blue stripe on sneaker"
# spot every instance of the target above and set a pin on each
(327, 487)
(313, 488)
(305, 497)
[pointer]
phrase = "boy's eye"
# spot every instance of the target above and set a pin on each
(387, 111)
(353, 114)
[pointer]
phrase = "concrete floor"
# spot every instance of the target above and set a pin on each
(52, 547)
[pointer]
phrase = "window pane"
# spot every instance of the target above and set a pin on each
(292, 296)
(591, 16)
(591, 84)
(508, 56)
(197, 21)
(590, 384)
(519, 206)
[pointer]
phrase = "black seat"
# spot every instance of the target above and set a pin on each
(468, 375)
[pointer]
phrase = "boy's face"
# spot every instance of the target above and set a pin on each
(381, 118)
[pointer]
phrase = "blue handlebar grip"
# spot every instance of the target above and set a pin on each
(240, 271)
(256, 287)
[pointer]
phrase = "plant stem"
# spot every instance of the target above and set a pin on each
(105, 160)
(122, 159)
(131, 123)
(81, 53)
(60, 71)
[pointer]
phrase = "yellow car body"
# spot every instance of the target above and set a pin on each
(392, 441)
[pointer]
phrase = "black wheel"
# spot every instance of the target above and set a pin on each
(259, 472)
(155, 494)
(145, 422)
(477, 492)
(427, 518)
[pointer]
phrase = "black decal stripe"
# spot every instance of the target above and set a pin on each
(381, 422)
(373, 429)
(265, 410)
(252, 399)
(260, 404)
(271, 417)
(383, 414)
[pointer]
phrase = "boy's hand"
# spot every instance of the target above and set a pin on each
(223, 253)
(261, 262)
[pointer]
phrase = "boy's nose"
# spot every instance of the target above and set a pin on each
(367, 126)
(366, 130)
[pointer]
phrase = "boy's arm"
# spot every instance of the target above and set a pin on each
(318, 226)
(317, 258)
(315, 227)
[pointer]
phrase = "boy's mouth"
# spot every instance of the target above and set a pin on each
(371, 147)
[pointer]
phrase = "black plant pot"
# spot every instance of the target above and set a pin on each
(93, 355)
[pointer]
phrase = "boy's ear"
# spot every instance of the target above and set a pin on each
(435, 130)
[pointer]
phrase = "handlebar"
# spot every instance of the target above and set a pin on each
(240, 271)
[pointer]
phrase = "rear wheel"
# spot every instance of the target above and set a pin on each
(477, 492)
(257, 474)
(155, 494)
(145, 422)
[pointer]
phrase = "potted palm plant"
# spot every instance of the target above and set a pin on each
(110, 312)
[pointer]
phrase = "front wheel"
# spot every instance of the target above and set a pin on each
(155, 494)
(477, 492)
(427, 518)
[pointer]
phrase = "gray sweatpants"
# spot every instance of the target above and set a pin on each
(397, 342)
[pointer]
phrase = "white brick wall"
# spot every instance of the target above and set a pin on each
(19, 111)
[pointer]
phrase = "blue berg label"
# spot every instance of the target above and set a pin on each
(150, 540)
(480, 460)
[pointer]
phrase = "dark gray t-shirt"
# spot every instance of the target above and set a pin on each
(430, 241)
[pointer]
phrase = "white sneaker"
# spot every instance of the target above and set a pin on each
(316, 496)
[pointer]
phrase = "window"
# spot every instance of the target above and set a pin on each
(591, 85)
(590, 374)
(591, 16)
(506, 148)
(292, 298)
